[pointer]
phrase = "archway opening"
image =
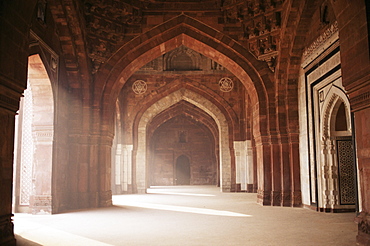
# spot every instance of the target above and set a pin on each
(145, 64)
(182, 152)
(33, 156)
(183, 173)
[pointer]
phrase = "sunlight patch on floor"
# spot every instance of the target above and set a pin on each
(150, 191)
(120, 201)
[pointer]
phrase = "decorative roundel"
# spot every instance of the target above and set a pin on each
(139, 87)
(226, 84)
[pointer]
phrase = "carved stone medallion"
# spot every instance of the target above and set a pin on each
(139, 87)
(226, 84)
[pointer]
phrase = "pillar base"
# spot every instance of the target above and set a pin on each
(264, 197)
(41, 204)
(141, 191)
(297, 199)
(251, 189)
(105, 198)
(363, 236)
(278, 198)
(7, 230)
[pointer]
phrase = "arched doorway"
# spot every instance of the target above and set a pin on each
(33, 155)
(336, 170)
(182, 150)
(183, 95)
(183, 174)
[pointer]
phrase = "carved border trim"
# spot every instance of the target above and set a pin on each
(328, 37)
(361, 101)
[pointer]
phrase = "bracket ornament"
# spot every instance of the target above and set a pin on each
(261, 22)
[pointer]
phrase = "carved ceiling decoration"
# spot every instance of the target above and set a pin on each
(106, 24)
(110, 23)
(261, 23)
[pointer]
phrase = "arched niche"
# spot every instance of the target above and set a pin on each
(337, 190)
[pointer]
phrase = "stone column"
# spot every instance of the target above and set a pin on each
(105, 191)
(362, 119)
(296, 193)
(118, 165)
(244, 165)
(251, 170)
(127, 167)
(276, 159)
(6, 174)
(263, 150)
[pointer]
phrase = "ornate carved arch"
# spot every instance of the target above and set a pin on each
(336, 96)
(184, 30)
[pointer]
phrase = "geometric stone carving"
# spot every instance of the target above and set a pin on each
(346, 171)
(226, 84)
(27, 149)
(139, 87)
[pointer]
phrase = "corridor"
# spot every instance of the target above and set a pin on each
(187, 215)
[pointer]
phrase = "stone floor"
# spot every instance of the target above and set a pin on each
(187, 215)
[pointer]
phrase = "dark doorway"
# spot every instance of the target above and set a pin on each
(182, 170)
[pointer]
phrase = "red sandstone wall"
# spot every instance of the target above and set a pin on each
(198, 147)
(362, 119)
(162, 84)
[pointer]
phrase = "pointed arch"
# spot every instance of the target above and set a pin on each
(34, 142)
(189, 110)
(184, 30)
(254, 75)
(331, 167)
(337, 96)
(226, 175)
